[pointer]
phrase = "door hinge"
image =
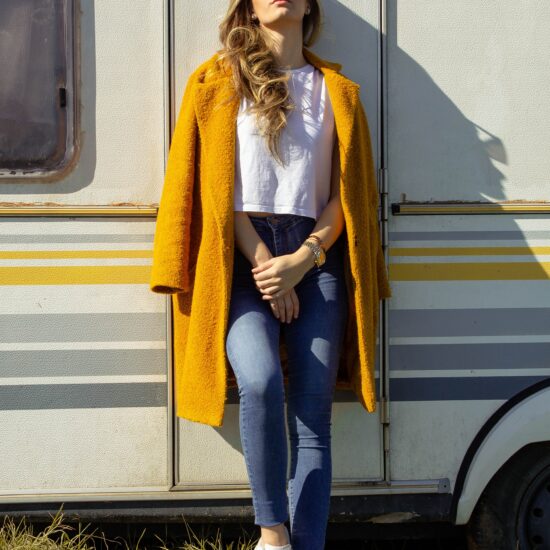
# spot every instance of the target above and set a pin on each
(383, 178)
(384, 411)
(383, 217)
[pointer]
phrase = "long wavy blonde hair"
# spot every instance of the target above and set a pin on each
(255, 73)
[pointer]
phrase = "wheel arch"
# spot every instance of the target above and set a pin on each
(527, 416)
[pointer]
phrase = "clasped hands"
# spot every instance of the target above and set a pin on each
(276, 278)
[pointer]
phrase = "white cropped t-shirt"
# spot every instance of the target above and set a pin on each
(302, 185)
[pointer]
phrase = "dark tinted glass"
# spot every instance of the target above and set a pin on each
(36, 91)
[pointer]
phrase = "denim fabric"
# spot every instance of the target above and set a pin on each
(314, 343)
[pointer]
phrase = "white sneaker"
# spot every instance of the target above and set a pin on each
(271, 547)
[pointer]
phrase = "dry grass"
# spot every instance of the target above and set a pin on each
(61, 536)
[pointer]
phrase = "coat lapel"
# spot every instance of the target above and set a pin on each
(217, 108)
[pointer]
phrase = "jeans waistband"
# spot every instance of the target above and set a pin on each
(279, 220)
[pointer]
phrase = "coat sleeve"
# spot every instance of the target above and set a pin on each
(170, 268)
(384, 289)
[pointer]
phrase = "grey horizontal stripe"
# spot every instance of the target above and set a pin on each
(82, 327)
(96, 362)
(470, 356)
(460, 389)
(466, 235)
(82, 396)
(340, 395)
(469, 322)
(75, 238)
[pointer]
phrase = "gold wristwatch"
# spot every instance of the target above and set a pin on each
(318, 252)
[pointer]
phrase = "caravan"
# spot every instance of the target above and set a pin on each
(455, 94)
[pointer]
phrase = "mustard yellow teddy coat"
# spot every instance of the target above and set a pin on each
(194, 239)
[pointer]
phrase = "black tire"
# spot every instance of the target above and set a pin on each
(513, 512)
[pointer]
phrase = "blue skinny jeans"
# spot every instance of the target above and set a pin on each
(314, 342)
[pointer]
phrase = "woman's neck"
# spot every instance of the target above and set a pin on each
(286, 44)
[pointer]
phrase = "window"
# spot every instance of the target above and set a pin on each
(37, 92)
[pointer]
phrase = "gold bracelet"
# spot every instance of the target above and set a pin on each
(312, 236)
(314, 249)
(318, 239)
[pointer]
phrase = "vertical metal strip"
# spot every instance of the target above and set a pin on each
(168, 85)
(383, 165)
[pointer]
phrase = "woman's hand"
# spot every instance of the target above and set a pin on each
(286, 306)
(278, 275)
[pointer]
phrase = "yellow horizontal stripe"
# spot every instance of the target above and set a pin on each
(471, 251)
(95, 211)
(470, 208)
(57, 254)
(469, 271)
(75, 275)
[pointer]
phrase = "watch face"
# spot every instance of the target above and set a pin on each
(322, 257)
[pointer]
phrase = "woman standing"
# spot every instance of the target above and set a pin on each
(259, 177)
(288, 266)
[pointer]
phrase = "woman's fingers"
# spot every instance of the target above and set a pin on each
(277, 306)
(263, 266)
(282, 309)
(270, 287)
(295, 301)
(271, 291)
(289, 304)
(286, 307)
(274, 308)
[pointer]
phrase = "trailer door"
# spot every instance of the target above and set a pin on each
(207, 457)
